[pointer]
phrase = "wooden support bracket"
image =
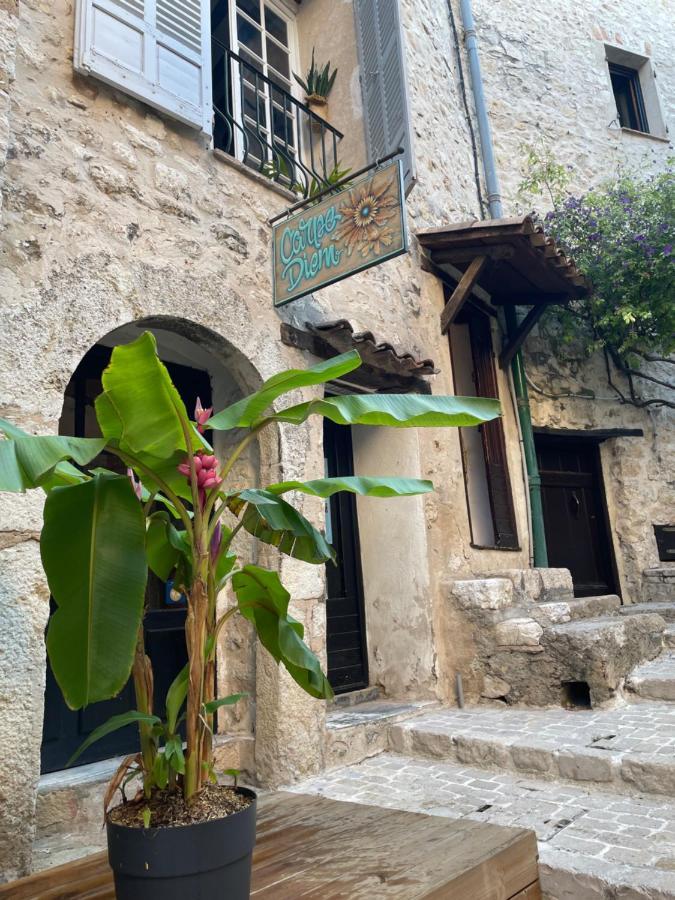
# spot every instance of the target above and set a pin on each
(518, 338)
(462, 291)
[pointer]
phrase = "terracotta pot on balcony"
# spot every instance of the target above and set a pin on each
(319, 106)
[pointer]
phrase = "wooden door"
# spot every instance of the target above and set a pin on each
(575, 513)
(164, 623)
(345, 619)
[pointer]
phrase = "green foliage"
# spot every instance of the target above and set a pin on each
(355, 484)
(102, 532)
(263, 600)
(30, 461)
(622, 237)
(319, 82)
(248, 411)
(114, 723)
(394, 410)
(273, 521)
(94, 558)
(544, 176)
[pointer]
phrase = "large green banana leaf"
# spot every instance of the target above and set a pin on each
(245, 412)
(356, 484)
(395, 410)
(273, 521)
(263, 600)
(29, 461)
(93, 553)
(140, 408)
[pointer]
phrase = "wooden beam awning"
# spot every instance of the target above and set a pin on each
(383, 369)
(512, 259)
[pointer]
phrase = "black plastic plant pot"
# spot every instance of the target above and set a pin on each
(207, 861)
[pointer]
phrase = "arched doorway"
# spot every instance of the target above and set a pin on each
(201, 364)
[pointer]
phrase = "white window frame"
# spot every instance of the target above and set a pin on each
(288, 13)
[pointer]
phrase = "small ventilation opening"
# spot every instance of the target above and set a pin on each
(576, 695)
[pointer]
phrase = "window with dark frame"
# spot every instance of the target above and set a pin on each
(628, 96)
(486, 476)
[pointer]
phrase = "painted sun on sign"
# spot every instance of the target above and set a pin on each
(358, 227)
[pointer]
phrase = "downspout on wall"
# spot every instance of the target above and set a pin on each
(496, 212)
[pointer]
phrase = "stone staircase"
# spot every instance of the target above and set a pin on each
(573, 735)
(537, 644)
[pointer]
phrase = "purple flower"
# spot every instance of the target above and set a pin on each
(215, 542)
(668, 249)
(136, 485)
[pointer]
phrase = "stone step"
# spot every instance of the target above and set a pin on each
(593, 844)
(627, 749)
(601, 652)
(353, 733)
(561, 611)
(662, 608)
(579, 662)
(654, 680)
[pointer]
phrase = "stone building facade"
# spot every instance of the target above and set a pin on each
(116, 217)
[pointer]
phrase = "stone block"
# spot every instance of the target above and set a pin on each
(526, 757)
(432, 743)
(556, 584)
(483, 593)
(585, 765)
(494, 687)
(518, 633)
(655, 775)
(472, 750)
(551, 613)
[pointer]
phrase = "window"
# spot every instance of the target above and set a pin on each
(633, 84)
(258, 120)
(628, 96)
(262, 39)
(486, 476)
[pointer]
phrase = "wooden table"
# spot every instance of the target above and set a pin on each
(317, 849)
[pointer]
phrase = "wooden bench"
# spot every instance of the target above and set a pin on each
(322, 849)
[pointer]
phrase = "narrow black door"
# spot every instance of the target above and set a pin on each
(575, 513)
(164, 623)
(345, 622)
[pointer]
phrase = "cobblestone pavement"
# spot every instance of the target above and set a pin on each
(645, 727)
(592, 844)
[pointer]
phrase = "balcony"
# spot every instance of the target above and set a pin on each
(262, 125)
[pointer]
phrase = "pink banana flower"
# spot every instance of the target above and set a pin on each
(202, 415)
(136, 485)
(206, 470)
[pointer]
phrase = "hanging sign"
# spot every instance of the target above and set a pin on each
(356, 228)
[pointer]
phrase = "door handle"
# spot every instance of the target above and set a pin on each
(575, 504)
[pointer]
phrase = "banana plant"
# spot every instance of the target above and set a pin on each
(176, 514)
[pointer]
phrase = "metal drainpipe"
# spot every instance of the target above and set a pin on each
(496, 212)
(540, 552)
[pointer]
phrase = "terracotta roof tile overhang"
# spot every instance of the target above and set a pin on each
(513, 260)
(383, 367)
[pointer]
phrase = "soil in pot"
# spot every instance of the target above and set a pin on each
(201, 850)
(168, 808)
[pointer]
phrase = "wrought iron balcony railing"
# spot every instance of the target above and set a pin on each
(260, 123)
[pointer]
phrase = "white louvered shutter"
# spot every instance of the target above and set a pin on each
(156, 50)
(383, 81)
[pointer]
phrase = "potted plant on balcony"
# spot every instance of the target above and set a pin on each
(183, 834)
(317, 86)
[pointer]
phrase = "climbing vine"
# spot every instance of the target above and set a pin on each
(622, 237)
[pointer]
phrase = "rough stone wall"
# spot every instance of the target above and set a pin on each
(547, 86)
(112, 213)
